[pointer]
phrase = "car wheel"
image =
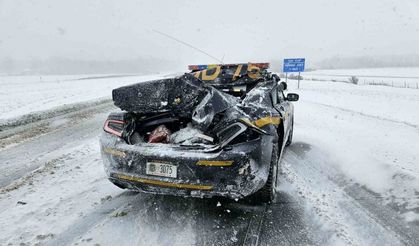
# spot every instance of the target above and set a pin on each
(289, 140)
(268, 192)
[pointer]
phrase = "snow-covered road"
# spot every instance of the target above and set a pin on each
(68, 200)
(350, 178)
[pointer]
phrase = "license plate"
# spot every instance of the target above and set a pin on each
(161, 169)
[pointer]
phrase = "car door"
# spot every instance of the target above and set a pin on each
(284, 108)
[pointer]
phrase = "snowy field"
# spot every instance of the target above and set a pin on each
(396, 77)
(20, 95)
(351, 177)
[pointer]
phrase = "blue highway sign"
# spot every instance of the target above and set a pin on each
(294, 65)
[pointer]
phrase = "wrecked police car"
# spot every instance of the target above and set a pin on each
(218, 130)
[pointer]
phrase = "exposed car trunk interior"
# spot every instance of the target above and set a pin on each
(166, 128)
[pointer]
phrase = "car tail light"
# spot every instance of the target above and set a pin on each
(115, 127)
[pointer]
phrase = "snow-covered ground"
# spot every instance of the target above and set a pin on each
(369, 133)
(351, 177)
(396, 77)
(20, 95)
(387, 103)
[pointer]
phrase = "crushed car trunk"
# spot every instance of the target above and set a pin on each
(177, 111)
(186, 110)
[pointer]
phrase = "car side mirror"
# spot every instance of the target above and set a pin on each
(292, 97)
(283, 85)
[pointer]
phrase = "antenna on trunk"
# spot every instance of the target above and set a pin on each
(189, 45)
(222, 59)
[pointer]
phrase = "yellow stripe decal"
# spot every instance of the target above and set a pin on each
(114, 152)
(164, 184)
(267, 120)
(214, 163)
(248, 122)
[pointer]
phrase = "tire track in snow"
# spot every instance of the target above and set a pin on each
(225, 222)
(28, 156)
(337, 204)
(142, 219)
(54, 197)
(408, 232)
(48, 115)
(80, 227)
(255, 226)
(25, 131)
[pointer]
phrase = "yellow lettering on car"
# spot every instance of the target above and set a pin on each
(237, 73)
(196, 75)
(212, 76)
(253, 72)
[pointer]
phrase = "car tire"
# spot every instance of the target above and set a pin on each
(289, 140)
(267, 193)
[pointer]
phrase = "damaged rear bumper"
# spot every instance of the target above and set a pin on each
(233, 172)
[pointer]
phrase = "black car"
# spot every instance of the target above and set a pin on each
(218, 130)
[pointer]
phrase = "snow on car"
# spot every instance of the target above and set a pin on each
(216, 131)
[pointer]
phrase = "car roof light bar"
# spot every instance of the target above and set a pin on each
(261, 65)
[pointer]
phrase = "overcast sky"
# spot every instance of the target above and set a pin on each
(239, 30)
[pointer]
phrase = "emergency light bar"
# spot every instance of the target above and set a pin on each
(208, 66)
